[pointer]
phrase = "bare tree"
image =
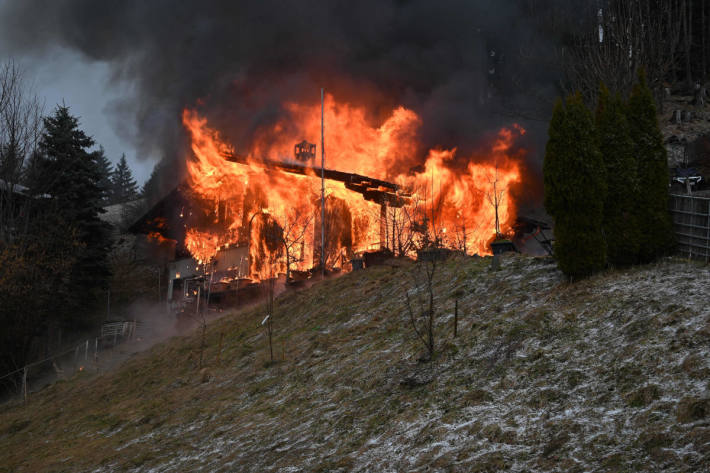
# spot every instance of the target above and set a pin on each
(495, 197)
(293, 237)
(20, 129)
(268, 321)
(338, 231)
(687, 16)
(462, 233)
(626, 36)
(407, 226)
(275, 236)
(421, 304)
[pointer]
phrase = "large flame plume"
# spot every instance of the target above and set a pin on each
(449, 201)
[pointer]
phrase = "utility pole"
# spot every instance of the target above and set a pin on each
(322, 188)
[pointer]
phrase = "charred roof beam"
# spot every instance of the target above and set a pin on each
(375, 190)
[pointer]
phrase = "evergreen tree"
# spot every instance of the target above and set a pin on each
(575, 189)
(164, 175)
(655, 230)
(105, 170)
(617, 149)
(70, 176)
(123, 186)
(151, 188)
(32, 173)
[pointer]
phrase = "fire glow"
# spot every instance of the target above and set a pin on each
(446, 201)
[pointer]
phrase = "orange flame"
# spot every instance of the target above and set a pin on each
(449, 203)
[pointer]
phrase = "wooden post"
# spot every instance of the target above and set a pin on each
(202, 342)
(209, 287)
(271, 346)
(456, 318)
(86, 351)
(383, 225)
(495, 262)
(158, 284)
(24, 385)
(322, 189)
(197, 307)
(219, 351)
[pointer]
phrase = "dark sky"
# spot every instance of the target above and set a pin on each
(128, 68)
(62, 75)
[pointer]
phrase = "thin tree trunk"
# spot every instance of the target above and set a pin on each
(702, 41)
(674, 78)
(456, 318)
(688, 40)
(271, 346)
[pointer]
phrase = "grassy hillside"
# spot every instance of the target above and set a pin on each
(609, 374)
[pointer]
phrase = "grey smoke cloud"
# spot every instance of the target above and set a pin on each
(242, 60)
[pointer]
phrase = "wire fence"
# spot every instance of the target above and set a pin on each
(91, 353)
(691, 223)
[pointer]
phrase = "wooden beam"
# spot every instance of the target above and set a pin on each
(375, 190)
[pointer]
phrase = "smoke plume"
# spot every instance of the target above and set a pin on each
(466, 67)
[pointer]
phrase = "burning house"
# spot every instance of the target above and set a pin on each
(422, 112)
(241, 218)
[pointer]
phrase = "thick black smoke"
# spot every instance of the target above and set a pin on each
(466, 67)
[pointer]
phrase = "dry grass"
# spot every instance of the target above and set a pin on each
(543, 376)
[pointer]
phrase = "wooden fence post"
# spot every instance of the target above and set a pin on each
(24, 385)
(76, 357)
(456, 318)
(219, 351)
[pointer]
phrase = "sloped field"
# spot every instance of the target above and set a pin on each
(608, 374)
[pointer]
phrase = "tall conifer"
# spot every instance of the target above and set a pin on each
(123, 186)
(70, 178)
(655, 230)
(617, 150)
(575, 189)
(105, 170)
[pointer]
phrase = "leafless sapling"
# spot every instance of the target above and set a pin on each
(274, 234)
(495, 197)
(293, 237)
(421, 303)
(627, 35)
(200, 318)
(20, 131)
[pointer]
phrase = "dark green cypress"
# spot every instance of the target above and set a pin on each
(617, 150)
(654, 222)
(575, 189)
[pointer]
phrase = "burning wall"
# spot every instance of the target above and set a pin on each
(448, 200)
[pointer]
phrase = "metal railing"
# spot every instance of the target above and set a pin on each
(691, 224)
(91, 353)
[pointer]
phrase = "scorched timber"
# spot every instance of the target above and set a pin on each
(374, 190)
